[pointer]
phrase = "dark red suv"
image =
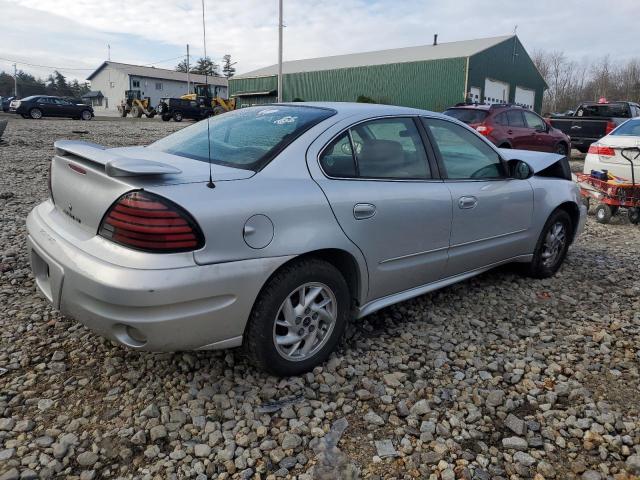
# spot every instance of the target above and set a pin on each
(511, 126)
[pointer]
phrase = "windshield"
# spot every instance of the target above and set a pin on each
(628, 128)
(248, 138)
(467, 115)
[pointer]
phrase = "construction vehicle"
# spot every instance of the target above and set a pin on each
(137, 106)
(207, 96)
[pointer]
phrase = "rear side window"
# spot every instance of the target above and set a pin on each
(502, 119)
(515, 119)
(247, 138)
(463, 153)
(389, 148)
(337, 159)
(467, 115)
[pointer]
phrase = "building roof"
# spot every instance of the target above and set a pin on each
(464, 48)
(160, 73)
(92, 94)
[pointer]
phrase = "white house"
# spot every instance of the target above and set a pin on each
(111, 79)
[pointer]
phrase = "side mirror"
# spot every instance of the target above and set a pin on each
(519, 170)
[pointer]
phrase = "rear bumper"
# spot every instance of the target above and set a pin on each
(187, 308)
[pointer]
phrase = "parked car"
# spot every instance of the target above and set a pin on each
(273, 226)
(5, 103)
(593, 120)
(38, 106)
(511, 126)
(178, 108)
(606, 153)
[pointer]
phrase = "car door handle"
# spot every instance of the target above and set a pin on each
(362, 211)
(510, 132)
(467, 202)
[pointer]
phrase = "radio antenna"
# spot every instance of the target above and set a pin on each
(210, 183)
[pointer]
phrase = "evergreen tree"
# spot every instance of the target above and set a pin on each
(206, 66)
(182, 66)
(228, 68)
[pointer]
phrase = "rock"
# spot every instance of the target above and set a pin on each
(139, 438)
(515, 443)
(495, 398)
(394, 379)
(12, 474)
(87, 459)
(515, 424)
(202, 450)
(291, 441)
(591, 475)
(151, 411)
(633, 464)
(373, 418)
(7, 424)
(421, 407)
(524, 459)
(24, 426)
(158, 432)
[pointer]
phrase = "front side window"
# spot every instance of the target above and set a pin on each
(390, 148)
(534, 121)
(337, 158)
(464, 155)
(247, 138)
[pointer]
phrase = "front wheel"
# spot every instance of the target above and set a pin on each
(552, 245)
(561, 149)
(166, 118)
(86, 115)
(177, 117)
(35, 113)
(298, 318)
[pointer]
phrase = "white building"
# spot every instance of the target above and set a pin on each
(111, 79)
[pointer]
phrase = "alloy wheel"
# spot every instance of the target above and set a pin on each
(554, 243)
(305, 321)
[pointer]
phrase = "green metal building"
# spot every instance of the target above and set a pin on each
(432, 77)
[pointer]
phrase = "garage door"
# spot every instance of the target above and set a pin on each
(525, 97)
(495, 92)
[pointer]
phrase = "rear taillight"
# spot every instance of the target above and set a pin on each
(610, 127)
(602, 151)
(148, 222)
(484, 130)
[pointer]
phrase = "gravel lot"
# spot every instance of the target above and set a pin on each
(497, 377)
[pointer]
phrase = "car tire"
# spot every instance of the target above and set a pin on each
(268, 325)
(603, 213)
(166, 118)
(85, 115)
(35, 113)
(561, 149)
(582, 149)
(634, 215)
(218, 110)
(177, 117)
(552, 245)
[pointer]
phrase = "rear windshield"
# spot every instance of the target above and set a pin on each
(467, 115)
(248, 138)
(619, 110)
(628, 128)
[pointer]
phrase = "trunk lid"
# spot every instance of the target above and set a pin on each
(619, 143)
(86, 178)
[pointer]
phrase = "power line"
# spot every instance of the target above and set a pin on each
(43, 66)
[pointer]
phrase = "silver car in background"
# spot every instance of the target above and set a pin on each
(316, 213)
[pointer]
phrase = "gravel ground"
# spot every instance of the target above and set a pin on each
(497, 377)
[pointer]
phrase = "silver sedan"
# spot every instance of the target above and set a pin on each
(273, 226)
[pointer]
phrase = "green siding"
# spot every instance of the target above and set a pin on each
(431, 85)
(499, 63)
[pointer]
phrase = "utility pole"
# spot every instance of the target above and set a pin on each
(280, 50)
(188, 76)
(108, 52)
(15, 80)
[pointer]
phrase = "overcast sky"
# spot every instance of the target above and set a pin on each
(72, 35)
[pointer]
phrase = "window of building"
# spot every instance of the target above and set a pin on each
(112, 84)
(158, 85)
(135, 83)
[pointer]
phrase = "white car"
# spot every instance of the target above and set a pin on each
(606, 153)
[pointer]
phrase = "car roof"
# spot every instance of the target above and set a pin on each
(353, 108)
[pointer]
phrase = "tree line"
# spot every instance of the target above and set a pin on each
(55, 84)
(206, 66)
(572, 82)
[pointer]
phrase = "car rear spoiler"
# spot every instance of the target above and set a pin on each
(114, 165)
